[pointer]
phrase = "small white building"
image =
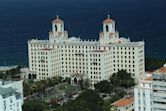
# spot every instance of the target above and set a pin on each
(10, 100)
(17, 85)
(64, 56)
(124, 104)
(24, 72)
(6, 68)
(11, 95)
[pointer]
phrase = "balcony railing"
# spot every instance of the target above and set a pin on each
(159, 106)
(159, 94)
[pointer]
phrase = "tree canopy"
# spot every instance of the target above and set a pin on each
(122, 79)
(35, 105)
(117, 85)
(89, 100)
(152, 63)
(103, 86)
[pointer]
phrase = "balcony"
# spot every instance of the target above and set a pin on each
(159, 106)
(157, 99)
(159, 94)
(159, 83)
(159, 88)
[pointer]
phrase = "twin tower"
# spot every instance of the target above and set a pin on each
(107, 36)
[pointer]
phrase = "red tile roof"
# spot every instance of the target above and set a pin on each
(112, 33)
(148, 79)
(160, 70)
(101, 33)
(123, 102)
(57, 20)
(108, 20)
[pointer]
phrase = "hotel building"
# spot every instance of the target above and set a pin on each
(65, 56)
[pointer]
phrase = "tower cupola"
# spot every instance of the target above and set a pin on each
(109, 25)
(58, 33)
(58, 25)
(108, 35)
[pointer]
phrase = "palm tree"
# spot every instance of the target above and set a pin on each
(33, 88)
(41, 88)
(26, 88)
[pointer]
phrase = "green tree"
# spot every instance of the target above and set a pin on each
(35, 105)
(76, 105)
(26, 88)
(103, 86)
(107, 105)
(90, 96)
(89, 100)
(153, 63)
(122, 79)
(117, 96)
(85, 83)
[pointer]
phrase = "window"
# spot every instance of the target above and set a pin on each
(4, 104)
(11, 101)
(55, 28)
(107, 28)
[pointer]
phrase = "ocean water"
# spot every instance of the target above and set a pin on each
(21, 20)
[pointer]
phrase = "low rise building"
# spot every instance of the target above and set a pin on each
(124, 104)
(10, 100)
(17, 85)
(11, 95)
(24, 72)
(7, 68)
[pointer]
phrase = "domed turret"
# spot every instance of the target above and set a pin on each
(58, 33)
(58, 25)
(108, 25)
(108, 20)
(109, 35)
(57, 21)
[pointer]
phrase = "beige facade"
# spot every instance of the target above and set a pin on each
(71, 55)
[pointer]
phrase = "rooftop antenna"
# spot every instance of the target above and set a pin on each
(108, 15)
(57, 16)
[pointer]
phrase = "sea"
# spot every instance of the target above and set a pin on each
(22, 20)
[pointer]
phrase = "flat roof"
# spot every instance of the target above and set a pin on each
(85, 42)
(6, 91)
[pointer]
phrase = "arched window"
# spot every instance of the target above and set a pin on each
(61, 27)
(107, 28)
(55, 28)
